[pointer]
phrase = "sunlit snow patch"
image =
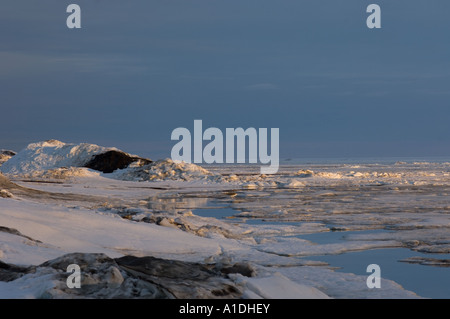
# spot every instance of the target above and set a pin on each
(162, 170)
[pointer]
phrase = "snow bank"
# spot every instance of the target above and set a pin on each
(77, 229)
(52, 154)
(55, 159)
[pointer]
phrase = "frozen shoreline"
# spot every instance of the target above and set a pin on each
(89, 212)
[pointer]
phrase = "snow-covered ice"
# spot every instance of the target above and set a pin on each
(56, 207)
(51, 154)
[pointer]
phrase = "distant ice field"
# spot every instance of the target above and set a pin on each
(391, 212)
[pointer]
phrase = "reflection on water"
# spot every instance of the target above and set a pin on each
(425, 281)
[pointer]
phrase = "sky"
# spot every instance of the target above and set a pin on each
(136, 70)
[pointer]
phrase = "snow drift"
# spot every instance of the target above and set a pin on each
(58, 160)
(52, 154)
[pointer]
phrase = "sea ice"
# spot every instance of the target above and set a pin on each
(151, 209)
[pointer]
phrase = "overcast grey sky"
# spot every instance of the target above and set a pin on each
(139, 69)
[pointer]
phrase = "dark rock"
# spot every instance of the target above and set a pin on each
(7, 153)
(127, 277)
(112, 160)
(9, 272)
(93, 260)
(244, 269)
(101, 278)
(181, 279)
(172, 269)
(5, 156)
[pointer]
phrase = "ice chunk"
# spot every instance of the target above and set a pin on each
(294, 183)
(305, 173)
(163, 170)
(5, 194)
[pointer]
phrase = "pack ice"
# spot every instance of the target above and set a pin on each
(136, 229)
